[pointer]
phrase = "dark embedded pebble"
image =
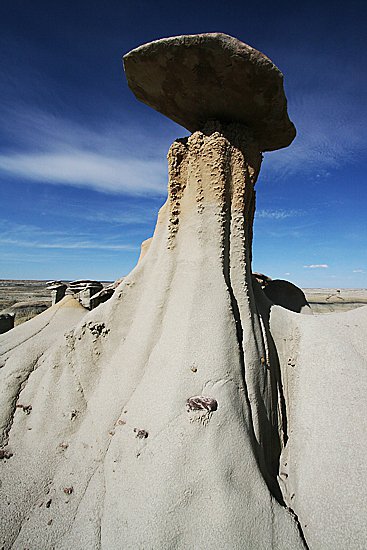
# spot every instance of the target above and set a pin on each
(26, 408)
(141, 434)
(199, 402)
(5, 454)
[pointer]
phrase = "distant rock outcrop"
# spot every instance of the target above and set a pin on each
(6, 322)
(288, 295)
(57, 289)
(84, 290)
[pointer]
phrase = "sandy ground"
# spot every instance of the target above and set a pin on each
(327, 300)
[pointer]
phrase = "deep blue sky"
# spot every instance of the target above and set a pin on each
(83, 163)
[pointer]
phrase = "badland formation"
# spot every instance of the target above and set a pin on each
(189, 411)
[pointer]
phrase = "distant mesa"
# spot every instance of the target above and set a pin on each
(195, 78)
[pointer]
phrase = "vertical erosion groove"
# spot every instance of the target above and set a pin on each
(176, 186)
(240, 166)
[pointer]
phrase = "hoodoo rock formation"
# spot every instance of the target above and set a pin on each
(159, 419)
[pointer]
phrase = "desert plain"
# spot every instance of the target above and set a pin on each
(28, 298)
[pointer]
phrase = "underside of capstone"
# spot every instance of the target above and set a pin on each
(195, 78)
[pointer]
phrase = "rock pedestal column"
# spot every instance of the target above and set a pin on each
(211, 203)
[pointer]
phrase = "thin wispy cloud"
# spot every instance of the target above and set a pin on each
(278, 214)
(125, 217)
(85, 169)
(111, 158)
(316, 266)
(358, 271)
(46, 139)
(29, 236)
(75, 245)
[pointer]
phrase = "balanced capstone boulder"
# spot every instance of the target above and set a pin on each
(194, 78)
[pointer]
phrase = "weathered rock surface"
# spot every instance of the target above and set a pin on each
(22, 348)
(167, 417)
(104, 294)
(194, 78)
(101, 297)
(323, 470)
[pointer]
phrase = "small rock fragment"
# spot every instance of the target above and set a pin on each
(200, 402)
(5, 454)
(68, 490)
(48, 503)
(74, 413)
(141, 434)
(26, 408)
